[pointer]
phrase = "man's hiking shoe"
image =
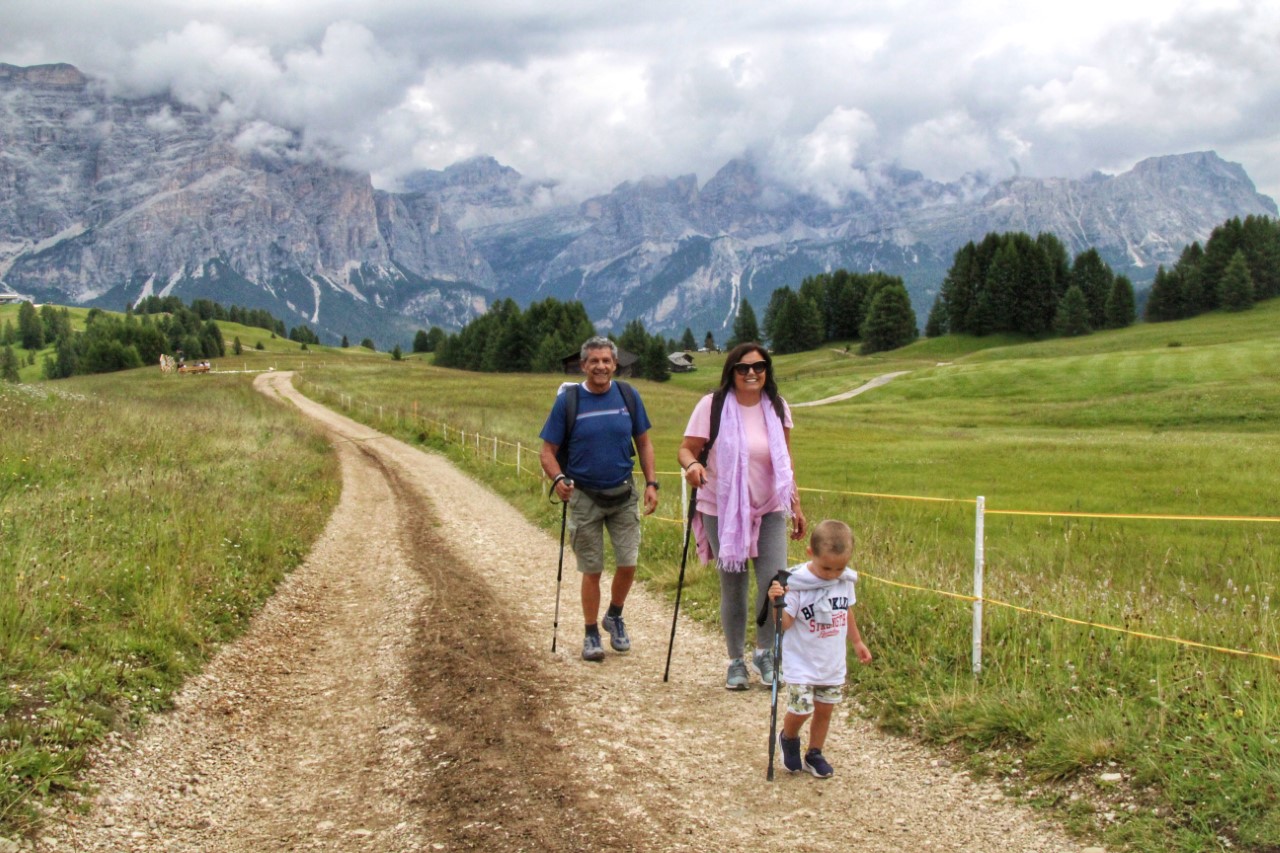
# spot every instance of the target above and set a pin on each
(591, 648)
(790, 753)
(762, 663)
(736, 677)
(617, 633)
(815, 763)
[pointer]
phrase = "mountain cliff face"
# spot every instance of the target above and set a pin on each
(104, 200)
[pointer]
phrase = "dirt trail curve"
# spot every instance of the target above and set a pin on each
(399, 694)
(866, 386)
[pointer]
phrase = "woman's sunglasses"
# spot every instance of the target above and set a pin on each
(743, 368)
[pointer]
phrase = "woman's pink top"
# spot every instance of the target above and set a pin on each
(760, 472)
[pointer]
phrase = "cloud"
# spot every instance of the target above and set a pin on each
(593, 94)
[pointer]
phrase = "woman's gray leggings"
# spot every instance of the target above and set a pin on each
(771, 559)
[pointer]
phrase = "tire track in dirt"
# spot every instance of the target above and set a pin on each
(501, 777)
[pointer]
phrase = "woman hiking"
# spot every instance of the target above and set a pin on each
(746, 492)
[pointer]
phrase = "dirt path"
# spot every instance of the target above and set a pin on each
(866, 386)
(399, 694)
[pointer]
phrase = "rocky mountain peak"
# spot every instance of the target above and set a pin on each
(58, 75)
(104, 200)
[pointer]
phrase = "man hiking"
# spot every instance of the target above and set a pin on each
(589, 459)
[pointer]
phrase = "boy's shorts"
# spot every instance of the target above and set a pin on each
(800, 697)
(587, 523)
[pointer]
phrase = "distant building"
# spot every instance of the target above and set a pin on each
(681, 362)
(626, 364)
(14, 299)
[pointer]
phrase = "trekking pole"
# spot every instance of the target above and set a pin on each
(555, 625)
(777, 670)
(684, 556)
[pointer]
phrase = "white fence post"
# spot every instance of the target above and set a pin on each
(495, 450)
(979, 558)
(519, 448)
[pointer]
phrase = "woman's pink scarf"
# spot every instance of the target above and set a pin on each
(738, 525)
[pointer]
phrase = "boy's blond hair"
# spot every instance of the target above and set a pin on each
(831, 536)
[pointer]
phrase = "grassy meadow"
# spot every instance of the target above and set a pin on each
(143, 519)
(1089, 702)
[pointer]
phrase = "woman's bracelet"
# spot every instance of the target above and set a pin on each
(690, 465)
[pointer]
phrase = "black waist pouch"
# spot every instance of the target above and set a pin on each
(606, 498)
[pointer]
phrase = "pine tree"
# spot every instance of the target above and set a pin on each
(1260, 240)
(9, 365)
(845, 311)
(936, 325)
(1120, 310)
(421, 342)
(709, 342)
(654, 362)
(1073, 313)
(30, 329)
(890, 323)
(811, 325)
(1001, 289)
(1235, 290)
(634, 338)
(959, 290)
(745, 329)
(784, 333)
(1092, 275)
(1162, 298)
(687, 341)
(1222, 245)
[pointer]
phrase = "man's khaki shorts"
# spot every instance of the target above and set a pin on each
(587, 523)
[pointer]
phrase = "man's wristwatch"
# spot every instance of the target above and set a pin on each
(653, 483)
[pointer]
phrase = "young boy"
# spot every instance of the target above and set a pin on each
(819, 601)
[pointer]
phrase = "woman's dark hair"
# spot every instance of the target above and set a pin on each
(770, 384)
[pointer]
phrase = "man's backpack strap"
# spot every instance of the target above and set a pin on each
(632, 401)
(570, 418)
(629, 398)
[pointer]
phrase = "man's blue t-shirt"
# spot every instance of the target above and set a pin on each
(600, 451)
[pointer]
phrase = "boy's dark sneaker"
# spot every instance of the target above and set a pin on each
(790, 753)
(816, 764)
(591, 648)
(617, 633)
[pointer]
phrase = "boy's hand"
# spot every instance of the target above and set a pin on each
(860, 649)
(776, 591)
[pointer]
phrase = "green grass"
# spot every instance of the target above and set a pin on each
(104, 506)
(143, 519)
(1119, 422)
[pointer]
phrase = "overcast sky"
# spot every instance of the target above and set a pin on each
(595, 92)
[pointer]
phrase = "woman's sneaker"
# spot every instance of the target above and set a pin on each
(736, 677)
(816, 764)
(617, 633)
(790, 753)
(762, 664)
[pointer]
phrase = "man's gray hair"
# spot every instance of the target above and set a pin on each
(598, 342)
